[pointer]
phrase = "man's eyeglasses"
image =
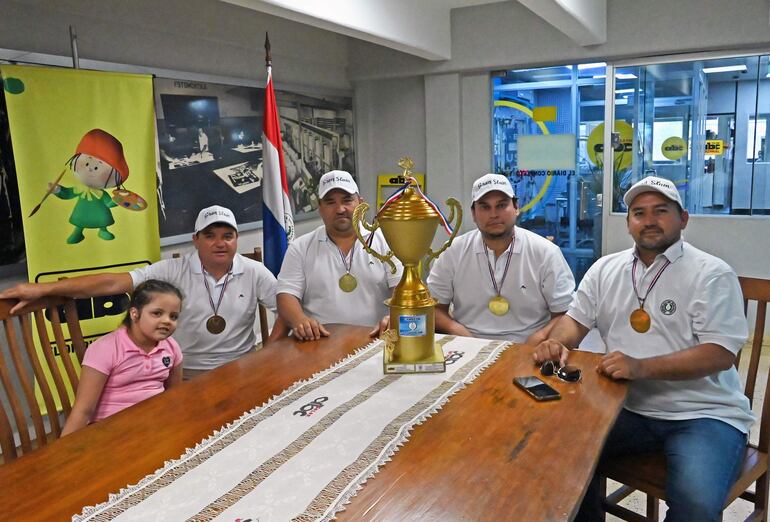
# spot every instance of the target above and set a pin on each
(566, 373)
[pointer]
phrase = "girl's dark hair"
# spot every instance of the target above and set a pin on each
(143, 295)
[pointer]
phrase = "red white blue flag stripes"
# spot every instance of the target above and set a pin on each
(277, 216)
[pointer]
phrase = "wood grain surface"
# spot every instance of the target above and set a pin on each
(491, 453)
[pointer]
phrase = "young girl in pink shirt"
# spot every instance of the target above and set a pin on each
(133, 363)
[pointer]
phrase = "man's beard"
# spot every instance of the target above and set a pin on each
(507, 233)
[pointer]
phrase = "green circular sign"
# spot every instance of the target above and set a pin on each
(13, 85)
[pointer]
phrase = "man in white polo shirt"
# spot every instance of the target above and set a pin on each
(673, 317)
(327, 276)
(221, 290)
(503, 282)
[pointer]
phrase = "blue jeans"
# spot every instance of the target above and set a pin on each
(703, 459)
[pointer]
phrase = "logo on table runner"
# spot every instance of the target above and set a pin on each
(311, 407)
(166, 361)
(453, 356)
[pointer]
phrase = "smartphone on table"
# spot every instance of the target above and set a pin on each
(539, 390)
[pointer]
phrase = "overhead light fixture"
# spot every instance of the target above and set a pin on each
(599, 76)
(724, 68)
(596, 65)
(623, 91)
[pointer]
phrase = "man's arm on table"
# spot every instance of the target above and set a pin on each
(542, 334)
(691, 363)
(445, 324)
(280, 330)
(565, 332)
(76, 287)
(305, 328)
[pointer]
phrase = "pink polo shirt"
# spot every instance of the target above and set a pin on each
(132, 374)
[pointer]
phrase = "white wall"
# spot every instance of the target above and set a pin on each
(437, 112)
(396, 105)
(191, 36)
(740, 240)
(200, 36)
(457, 97)
(505, 34)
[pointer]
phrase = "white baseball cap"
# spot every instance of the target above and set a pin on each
(653, 184)
(490, 182)
(337, 179)
(215, 214)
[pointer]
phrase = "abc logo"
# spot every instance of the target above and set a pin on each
(673, 148)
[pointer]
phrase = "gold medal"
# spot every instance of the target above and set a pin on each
(498, 305)
(216, 324)
(348, 283)
(640, 320)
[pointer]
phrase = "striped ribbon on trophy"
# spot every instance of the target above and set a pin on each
(400, 192)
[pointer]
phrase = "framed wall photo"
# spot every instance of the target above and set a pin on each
(210, 150)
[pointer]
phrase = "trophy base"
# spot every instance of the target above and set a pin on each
(433, 364)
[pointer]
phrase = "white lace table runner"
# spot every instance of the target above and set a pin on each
(304, 454)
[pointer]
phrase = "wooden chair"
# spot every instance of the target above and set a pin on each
(264, 329)
(647, 472)
(26, 367)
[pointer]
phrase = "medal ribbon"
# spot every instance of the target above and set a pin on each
(507, 264)
(224, 287)
(348, 267)
(649, 288)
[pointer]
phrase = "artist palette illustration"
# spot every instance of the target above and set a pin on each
(129, 200)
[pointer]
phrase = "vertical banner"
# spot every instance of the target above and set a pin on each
(84, 146)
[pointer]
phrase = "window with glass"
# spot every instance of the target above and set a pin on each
(703, 125)
(541, 116)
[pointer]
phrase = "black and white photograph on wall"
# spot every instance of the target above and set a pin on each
(209, 139)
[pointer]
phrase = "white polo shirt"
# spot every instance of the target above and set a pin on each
(696, 300)
(539, 282)
(311, 271)
(250, 284)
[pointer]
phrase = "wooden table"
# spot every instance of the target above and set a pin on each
(491, 453)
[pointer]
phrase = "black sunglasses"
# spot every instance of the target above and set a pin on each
(566, 373)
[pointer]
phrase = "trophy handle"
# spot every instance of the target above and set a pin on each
(454, 207)
(359, 219)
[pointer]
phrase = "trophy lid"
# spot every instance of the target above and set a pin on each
(411, 205)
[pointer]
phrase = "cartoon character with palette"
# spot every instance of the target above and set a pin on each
(98, 164)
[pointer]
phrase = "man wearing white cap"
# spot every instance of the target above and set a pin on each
(221, 290)
(503, 282)
(673, 316)
(327, 276)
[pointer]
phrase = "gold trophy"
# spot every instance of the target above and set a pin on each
(408, 224)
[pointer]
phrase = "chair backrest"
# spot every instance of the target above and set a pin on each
(24, 366)
(757, 290)
(264, 329)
